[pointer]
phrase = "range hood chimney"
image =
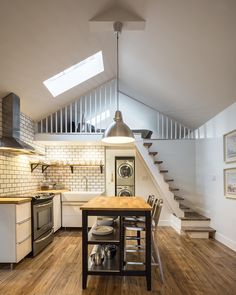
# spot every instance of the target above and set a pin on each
(10, 140)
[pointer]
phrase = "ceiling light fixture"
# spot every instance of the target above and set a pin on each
(118, 132)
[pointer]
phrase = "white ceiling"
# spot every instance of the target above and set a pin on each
(183, 63)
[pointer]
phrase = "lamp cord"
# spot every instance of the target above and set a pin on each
(117, 70)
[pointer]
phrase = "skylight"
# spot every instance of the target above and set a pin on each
(75, 75)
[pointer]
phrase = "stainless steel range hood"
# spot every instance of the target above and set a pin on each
(10, 140)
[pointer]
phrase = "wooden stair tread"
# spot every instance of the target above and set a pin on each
(158, 162)
(178, 198)
(185, 207)
(187, 210)
(163, 171)
(195, 216)
(198, 229)
(153, 153)
(147, 144)
(174, 189)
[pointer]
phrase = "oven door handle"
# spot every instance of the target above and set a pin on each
(44, 238)
(44, 205)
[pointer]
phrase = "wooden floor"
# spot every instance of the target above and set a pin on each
(190, 267)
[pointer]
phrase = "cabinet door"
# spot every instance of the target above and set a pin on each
(72, 215)
(57, 212)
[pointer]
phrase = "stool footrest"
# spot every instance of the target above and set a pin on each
(135, 263)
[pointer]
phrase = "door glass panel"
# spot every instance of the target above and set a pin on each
(44, 217)
(125, 193)
(125, 171)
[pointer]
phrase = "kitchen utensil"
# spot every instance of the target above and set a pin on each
(97, 255)
(110, 251)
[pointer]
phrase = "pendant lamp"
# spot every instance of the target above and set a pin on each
(118, 132)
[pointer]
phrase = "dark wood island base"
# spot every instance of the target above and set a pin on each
(121, 207)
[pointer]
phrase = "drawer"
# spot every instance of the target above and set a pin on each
(23, 212)
(71, 208)
(23, 248)
(76, 220)
(23, 230)
(72, 221)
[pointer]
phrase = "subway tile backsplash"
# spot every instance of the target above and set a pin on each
(76, 155)
(15, 171)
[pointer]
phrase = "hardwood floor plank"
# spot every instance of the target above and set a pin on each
(190, 267)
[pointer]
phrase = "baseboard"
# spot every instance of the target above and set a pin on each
(175, 224)
(226, 241)
(164, 222)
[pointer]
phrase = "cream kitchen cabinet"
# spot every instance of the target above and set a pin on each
(15, 231)
(71, 212)
(57, 212)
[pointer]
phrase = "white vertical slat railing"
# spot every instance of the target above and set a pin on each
(94, 111)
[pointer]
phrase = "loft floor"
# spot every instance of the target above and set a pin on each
(190, 267)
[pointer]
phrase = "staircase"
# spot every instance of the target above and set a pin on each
(185, 220)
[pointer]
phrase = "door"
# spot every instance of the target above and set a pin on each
(43, 218)
(72, 215)
(125, 171)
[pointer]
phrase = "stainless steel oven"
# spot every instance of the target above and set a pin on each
(42, 207)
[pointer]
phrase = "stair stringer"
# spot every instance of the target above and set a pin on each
(158, 180)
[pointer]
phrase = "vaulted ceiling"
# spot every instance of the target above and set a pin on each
(183, 63)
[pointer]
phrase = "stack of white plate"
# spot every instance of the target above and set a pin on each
(101, 230)
(105, 220)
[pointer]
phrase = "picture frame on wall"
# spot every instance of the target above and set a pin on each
(230, 147)
(230, 183)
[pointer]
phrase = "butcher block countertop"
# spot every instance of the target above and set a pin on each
(117, 203)
(52, 191)
(13, 200)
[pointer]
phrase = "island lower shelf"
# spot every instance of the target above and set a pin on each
(113, 238)
(109, 266)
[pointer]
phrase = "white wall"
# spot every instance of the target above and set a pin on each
(178, 158)
(143, 183)
(209, 175)
(138, 116)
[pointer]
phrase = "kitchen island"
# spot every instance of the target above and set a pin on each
(120, 207)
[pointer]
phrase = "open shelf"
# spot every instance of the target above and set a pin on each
(46, 165)
(113, 238)
(109, 266)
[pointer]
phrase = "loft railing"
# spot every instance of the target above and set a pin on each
(93, 112)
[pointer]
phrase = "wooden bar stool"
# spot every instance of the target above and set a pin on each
(138, 226)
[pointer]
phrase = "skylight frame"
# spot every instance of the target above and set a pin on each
(75, 75)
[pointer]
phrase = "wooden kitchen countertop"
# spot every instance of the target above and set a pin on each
(117, 203)
(53, 191)
(14, 200)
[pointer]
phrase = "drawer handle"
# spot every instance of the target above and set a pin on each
(44, 205)
(44, 238)
(24, 240)
(23, 221)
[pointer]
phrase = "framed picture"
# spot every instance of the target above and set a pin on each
(230, 147)
(230, 182)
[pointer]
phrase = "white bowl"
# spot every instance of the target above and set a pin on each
(101, 230)
(105, 220)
